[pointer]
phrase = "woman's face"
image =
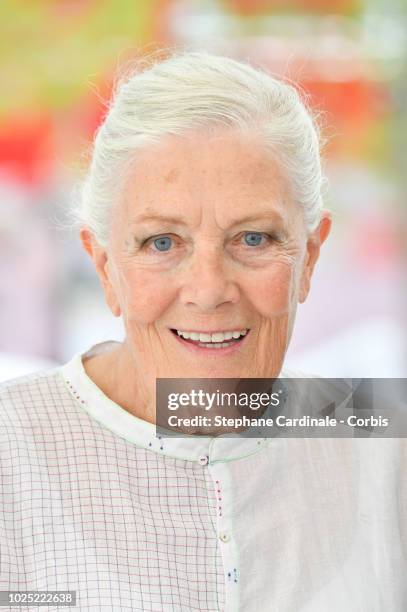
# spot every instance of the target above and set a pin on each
(207, 240)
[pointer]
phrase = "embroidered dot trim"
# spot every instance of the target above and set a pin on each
(219, 497)
(74, 392)
(234, 575)
(82, 401)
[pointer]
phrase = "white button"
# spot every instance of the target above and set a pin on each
(225, 537)
(204, 460)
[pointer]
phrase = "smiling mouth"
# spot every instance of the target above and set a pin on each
(214, 340)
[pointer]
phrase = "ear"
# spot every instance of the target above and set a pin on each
(314, 242)
(100, 258)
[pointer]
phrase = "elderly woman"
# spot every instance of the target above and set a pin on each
(202, 213)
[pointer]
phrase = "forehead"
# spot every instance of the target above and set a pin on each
(221, 173)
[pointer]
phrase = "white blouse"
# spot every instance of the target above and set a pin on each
(92, 500)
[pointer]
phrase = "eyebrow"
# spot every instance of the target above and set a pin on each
(179, 221)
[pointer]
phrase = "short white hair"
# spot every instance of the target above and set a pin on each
(192, 90)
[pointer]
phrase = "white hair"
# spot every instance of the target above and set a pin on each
(192, 90)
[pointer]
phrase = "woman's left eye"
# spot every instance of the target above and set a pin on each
(254, 238)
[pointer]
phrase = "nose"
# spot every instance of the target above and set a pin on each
(208, 282)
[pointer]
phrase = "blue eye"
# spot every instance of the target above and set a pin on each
(253, 238)
(163, 243)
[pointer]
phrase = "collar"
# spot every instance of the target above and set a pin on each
(201, 449)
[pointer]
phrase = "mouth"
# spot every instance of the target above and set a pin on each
(212, 342)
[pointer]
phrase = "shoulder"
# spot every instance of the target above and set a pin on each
(16, 389)
(29, 401)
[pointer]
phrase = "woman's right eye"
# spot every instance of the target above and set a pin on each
(161, 243)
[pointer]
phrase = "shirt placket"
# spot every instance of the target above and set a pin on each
(219, 472)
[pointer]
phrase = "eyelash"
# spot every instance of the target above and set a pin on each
(270, 238)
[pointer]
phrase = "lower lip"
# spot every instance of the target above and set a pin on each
(195, 348)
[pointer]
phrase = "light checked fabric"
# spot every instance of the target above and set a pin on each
(92, 500)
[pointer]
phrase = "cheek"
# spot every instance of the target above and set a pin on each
(273, 292)
(144, 297)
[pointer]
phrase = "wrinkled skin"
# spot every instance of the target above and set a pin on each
(210, 278)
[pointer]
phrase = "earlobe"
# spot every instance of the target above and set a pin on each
(113, 304)
(108, 288)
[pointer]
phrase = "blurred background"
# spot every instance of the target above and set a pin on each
(58, 59)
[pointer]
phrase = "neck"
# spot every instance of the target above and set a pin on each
(117, 376)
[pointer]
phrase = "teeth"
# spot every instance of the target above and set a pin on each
(205, 338)
(216, 338)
